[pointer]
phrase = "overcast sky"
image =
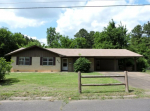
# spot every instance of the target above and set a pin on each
(68, 21)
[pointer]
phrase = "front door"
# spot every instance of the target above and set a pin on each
(64, 64)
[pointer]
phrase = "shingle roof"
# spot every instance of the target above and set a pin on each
(20, 49)
(86, 52)
(96, 52)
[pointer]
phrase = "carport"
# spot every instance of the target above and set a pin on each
(110, 61)
(111, 64)
(106, 64)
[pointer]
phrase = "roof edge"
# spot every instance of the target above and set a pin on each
(16, 51)
(135, 53)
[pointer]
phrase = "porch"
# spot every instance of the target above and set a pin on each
(99, 64)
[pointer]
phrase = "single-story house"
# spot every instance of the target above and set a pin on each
(38, 59)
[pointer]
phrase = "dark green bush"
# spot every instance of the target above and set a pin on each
(82, 64)
(5, 68)
(142, 64)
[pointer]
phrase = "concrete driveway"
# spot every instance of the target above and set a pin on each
(136, 79)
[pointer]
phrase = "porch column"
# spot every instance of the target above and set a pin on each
(124, 64)
(134, 64)
(115, 64)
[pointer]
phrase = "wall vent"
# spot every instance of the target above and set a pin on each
(36, 70)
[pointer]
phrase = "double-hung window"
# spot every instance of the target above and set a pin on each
(48, 61)
(24, 60)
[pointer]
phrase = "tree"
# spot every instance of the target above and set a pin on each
(139, 43)
(146, 29)
(79, 43)
(11, 41)
(91, 41)
(82, 39)
(53, 38)
(102, 41)
(82, 33)
(33, 43)
(112, 37)
(6, 42)
(136, 39)
(5, 68)
(18, 39)
(142, 64)
(55, 44)
(65, 42)
(137, 32)
(51, 32)
(82, 64)
(88, 36)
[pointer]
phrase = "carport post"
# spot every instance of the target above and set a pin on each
(79, 81)
(134, 64)
(115, 64)
(126, 81)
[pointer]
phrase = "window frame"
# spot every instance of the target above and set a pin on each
(47, 61)
(24, 60)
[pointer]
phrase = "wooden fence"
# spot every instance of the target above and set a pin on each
(105, 76)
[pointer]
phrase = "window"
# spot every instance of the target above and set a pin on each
(48, 61)
(24, 61)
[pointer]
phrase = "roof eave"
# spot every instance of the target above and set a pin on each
(32, 47)
(102, 56)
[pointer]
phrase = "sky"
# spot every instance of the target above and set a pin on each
(68, 21)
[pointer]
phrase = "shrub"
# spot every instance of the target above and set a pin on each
(142, 64)
(82, 64)
(5, 68)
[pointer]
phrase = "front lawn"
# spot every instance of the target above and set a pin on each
(148, 71)
(60, 85)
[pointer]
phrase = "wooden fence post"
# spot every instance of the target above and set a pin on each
(126, 81)
(79, 81)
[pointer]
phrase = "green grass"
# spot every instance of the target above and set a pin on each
(61, 85)
(148, 71)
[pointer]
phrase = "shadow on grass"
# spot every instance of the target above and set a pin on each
(131, 91)
(107, 91)
(9, 81)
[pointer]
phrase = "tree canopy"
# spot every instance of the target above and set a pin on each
(111, 37)
(11, 41)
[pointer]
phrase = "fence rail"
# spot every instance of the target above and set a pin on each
(105, 76)
(101, 76)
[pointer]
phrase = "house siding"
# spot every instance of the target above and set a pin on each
(35, 52)
(36, 67)
(92, 64)
(70, 65)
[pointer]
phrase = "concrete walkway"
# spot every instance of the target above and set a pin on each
(136, 79)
